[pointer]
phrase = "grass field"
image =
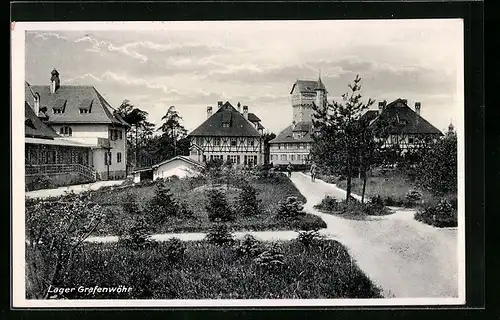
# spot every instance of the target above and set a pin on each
(193, 192)
(206, 271)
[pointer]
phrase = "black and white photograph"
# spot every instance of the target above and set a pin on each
(238, 163)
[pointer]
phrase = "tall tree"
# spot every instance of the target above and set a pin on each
(173, 133)
(338, 133)
(266, 137)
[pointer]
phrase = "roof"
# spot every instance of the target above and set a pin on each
(34, 127)
(56, 142)
(287, 134)
(238, 126)
(410, 122)
(181, 158)
(253, 118)
(71, 99)
(308, 85)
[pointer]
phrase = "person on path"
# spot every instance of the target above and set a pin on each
(313, 172)
(289, 169)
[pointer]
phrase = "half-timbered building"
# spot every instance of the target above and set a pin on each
(407, 128)
(228, 134)
(293, 144)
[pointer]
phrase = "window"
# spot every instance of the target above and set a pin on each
(119, 157)
(115, 134)
(83, 110)
(292, 157)
(410, 140)
(252, 142)
(216, 141)
(56, 110)
(279, 145)
(283, 157)
(233, 142)
(66, 131)
(234, 159)
(120, 134)
(225, 125)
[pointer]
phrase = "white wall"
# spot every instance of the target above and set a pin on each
(177, 167)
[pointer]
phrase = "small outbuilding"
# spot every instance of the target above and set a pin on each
(179, 166)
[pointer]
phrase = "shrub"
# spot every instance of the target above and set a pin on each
(218, 208)
(328, 203)
(220, 235)
(308, 222)
(442, 215)
(40, 182)
(173, 178)
(249, 247)
(389, 201)
(129, 204)
(271, 259)
(128, 182)
(137, 236)
(184, 211)
(376, 207)
(162, 205)
(309, 238)
(144, 183)
(175, 250)
(412, 197)
(248, 204)
(290, 208)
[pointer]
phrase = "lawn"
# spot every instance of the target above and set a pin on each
(193, 192)
(206, 271)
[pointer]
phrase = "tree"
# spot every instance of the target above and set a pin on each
(266, 137)
(172, 128)
(338, 133)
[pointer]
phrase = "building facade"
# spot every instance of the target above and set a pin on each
(293, 144)
(81, 115)
(229, 134)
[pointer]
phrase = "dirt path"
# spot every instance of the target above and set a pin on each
(406, 258)
(44, 193)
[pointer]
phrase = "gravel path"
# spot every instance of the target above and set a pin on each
(44, 193)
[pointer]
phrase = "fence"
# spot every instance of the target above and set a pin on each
(57, 169)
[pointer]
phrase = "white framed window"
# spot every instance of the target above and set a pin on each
(233, 142)
(66, 131)
(217, 141)
(292, 157)
(119, 157)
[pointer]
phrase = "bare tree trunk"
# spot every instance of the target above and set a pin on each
(348, 189)
(136, 145)
(364, 187)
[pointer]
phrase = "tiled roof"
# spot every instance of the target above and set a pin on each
(71, 99)
(287, 134)
(34, 127)
(308, 85)
(238, 126)
(410, 122)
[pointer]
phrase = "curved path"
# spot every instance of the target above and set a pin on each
(404, 257)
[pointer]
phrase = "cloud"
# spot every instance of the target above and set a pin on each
(48, 35)
(99, 45)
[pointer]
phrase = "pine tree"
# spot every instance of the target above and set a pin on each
(218, 208)
(163, 204)
(248, 204)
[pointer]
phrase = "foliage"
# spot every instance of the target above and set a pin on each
(220, 235)
(162, 205)
(339, 126)
(218, 207)
(412, 197)
(213, 166)
(271, 259)
(55, 229)
(249, 247)
(328, 203)
(248, 204)
(40, 182)
(290, 208)
(138, 236)
(130, 205)
(309, 238)
(185, 211)
(175, 250)
(437, 171)
(216, 272)
(354, 208)
(441, 215)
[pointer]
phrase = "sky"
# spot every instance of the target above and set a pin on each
(192, 65)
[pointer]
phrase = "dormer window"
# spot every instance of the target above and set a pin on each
(84, 110)
(56, 111)
(225, 125)
(66, 131)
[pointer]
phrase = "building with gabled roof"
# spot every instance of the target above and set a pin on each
(80, 114)
(293, 144)
(228, 134)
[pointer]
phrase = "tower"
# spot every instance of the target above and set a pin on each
(320, 92)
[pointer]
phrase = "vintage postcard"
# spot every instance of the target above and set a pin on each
(238, 163)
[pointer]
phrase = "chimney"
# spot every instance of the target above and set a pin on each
(55, 82)
(293, 124)
(239, 107)
(245, 112)
(36, 105)
(381, 106)
(209, 112)
(417, 107)
(219, 104)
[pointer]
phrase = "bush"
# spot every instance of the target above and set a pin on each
(162, 205)
(309, 238)
(40, 182)
(144, 183)
(272, 259)
(249, 247)
(442, 215)
(218, 208)
(389, 201)
(220, 235)
(175, 250)
(290, 208)
(308, 222)
(328, 203)
(248, 204)
(376, 207)
(127, 182)
(138, 236)
(130, 205)
(412, 197)
(184, 211)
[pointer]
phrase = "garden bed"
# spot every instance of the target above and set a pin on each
(207, 271)
(193, 193)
